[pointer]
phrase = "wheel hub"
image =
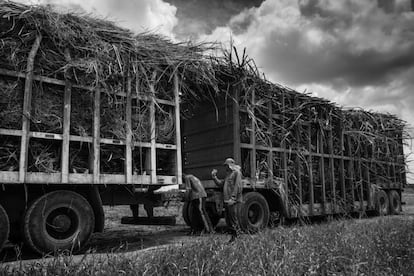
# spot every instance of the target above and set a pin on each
(254, 213)
(61, 223)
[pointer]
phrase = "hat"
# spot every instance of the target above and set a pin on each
(232, 164)
(229, 162)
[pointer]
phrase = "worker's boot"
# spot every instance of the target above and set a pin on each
(135, 210)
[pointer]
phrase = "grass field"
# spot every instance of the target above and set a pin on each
(379, 246)
(373, 246)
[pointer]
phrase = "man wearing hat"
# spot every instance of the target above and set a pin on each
(232, 193)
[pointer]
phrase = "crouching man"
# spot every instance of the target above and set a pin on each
(232, 194)
(197, 195)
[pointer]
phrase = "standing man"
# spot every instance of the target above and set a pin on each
(232, 194)
(197, 195)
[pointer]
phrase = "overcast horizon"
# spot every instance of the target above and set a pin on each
(356, 53)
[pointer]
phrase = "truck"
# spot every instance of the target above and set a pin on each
(90, 116)
(93, 115)
(301, 157)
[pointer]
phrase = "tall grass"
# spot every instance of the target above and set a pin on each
(383, 246)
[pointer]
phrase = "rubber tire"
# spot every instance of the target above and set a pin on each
(35, 231)
(5, 227)
(259, 203)
(395, 202)
(185, 213)
(381, 203)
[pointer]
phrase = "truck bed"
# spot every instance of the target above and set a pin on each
(148, 162)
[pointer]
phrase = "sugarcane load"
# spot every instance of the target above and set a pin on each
(92, 115)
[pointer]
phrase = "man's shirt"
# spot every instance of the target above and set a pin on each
(194, 184)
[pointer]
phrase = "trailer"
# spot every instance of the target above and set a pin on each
(142, 167)
(89, 116)
(301, 156)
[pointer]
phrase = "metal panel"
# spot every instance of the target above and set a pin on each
(311, 195)
(284, 163)
(178, 157)
(153, 151)
(322, 166)
(253, 139)
(350, 171)
(66, 123)
(270, 154)
(26, 109)
(236, 128)
(96, 136)
(331, 168)
(341, 162)
(208, 138)
(128, 141)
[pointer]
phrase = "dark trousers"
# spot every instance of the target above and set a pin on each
(135, 210)
(200, 205)
(232, 218)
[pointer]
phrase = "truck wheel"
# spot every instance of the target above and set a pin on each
(186, 218)
(60, 220)
(395, 202)
(253, 212)
(381, 203)
(5, 227)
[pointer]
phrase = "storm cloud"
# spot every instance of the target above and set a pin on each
(136, 15)
(357, 53)
(200, 17)
(352, 42)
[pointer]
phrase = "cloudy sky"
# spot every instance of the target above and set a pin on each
(358, 53)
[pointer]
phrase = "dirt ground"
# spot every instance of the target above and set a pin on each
(119, 238)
